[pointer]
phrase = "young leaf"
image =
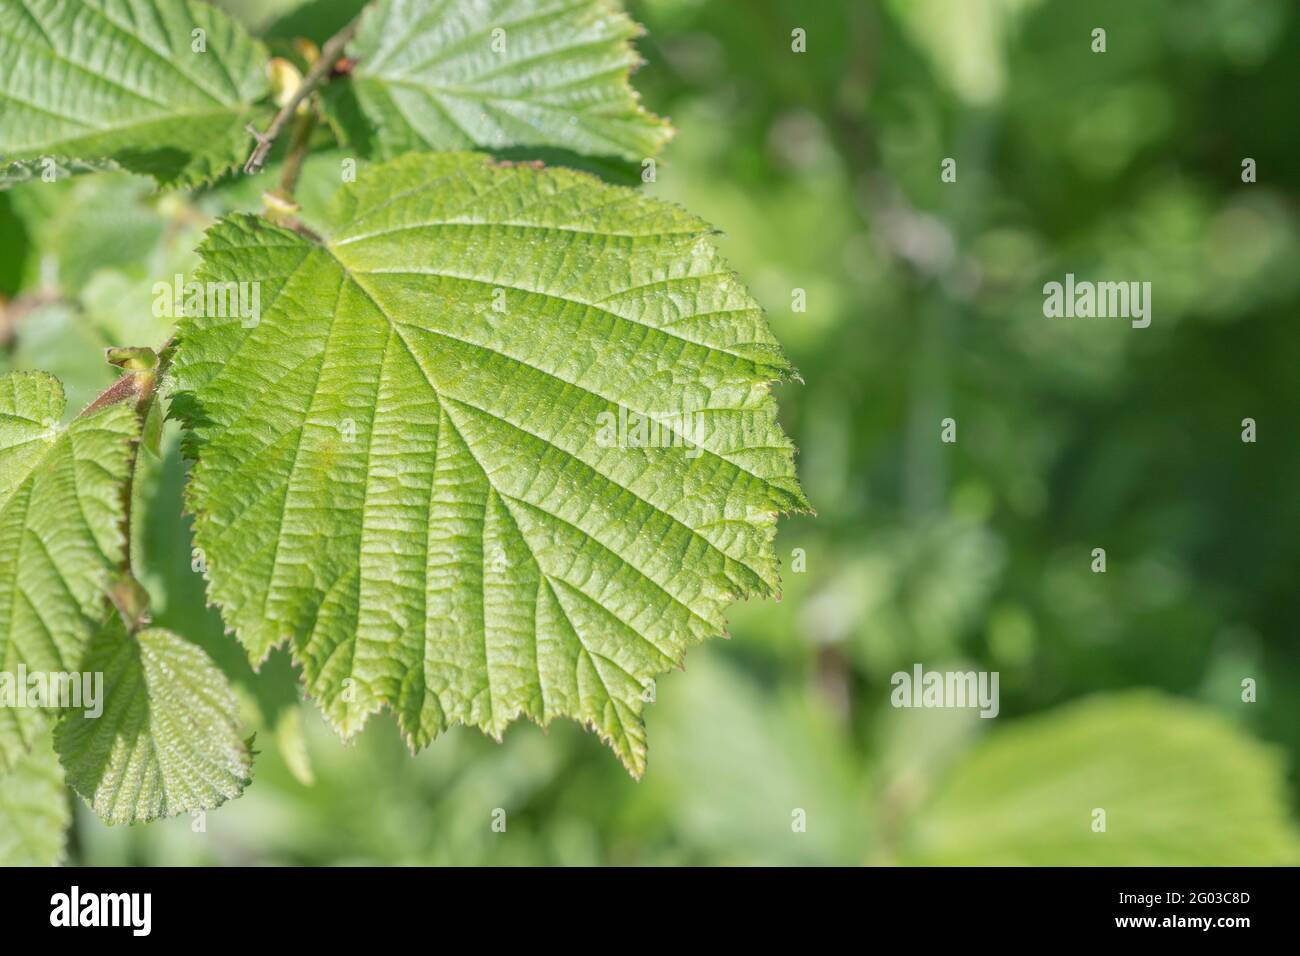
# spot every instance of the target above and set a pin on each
(33, 808)
(534, 73)
(422, 466)
(160, 87)
(168, 739)
(60, 511)
(1178, 786)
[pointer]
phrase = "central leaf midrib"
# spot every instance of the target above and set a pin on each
(355, 278)
(506, 499)
(456, 277)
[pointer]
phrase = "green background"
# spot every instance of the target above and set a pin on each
(1120, 691)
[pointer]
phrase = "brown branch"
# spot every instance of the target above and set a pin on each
(319, 72)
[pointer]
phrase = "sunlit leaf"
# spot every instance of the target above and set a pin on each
(61, 505)
(490, 75)
(168, 740)
(401, 468)
(160, 87)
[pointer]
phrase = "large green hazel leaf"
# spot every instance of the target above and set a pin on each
(159, 87)
(61, 506)
(168, 739)
(490, 74)
(410, 467)
(1178, 786)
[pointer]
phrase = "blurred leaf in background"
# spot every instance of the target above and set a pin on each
(33, 809)
(922, 300)
(1132, 780)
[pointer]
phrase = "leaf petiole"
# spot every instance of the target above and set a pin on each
(316, 76)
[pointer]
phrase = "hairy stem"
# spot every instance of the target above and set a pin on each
(318, 74)
(140, 387)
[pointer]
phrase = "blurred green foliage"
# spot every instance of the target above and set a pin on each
(924, 301)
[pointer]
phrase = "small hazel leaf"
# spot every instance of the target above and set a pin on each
(517, 73)
(132, 358)
(168, 739)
